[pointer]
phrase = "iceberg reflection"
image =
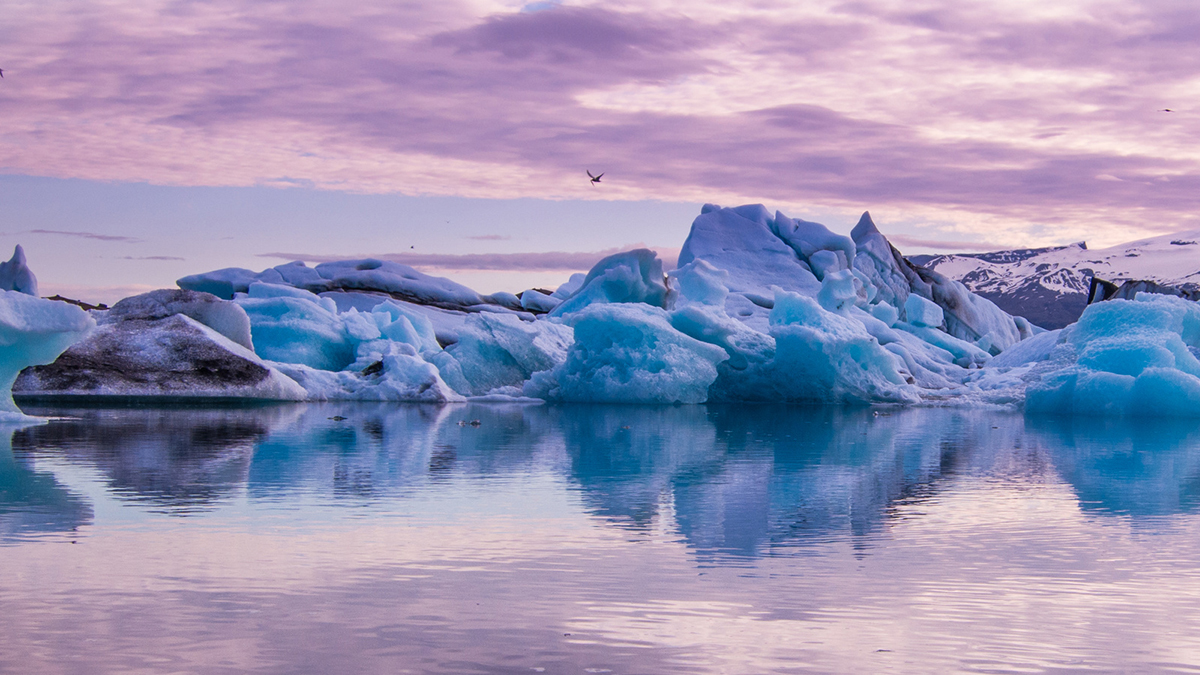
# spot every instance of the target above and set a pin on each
(750, 480)
(33, 502)
(736, 481)
(599, 538)
(1139, 468)
(176, 459)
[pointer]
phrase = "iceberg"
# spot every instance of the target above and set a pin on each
(629, 352)
(224, 317)
(761, 307)
(497, 353)
(33, 332)
(399, 281)
(1133, 358)
(740, 241)
(399, 375)
(151, 345)
(967, 316)
(383, 279)
(15, 274)
(388, 353)
(634, 276)
(829, 357)
(535, 301)
(291, 328)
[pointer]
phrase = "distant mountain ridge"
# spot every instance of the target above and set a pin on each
(1000, 257)
(1049, 286)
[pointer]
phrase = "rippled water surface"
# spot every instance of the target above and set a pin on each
(586, 539)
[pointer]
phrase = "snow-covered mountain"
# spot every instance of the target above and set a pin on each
(1049, 286)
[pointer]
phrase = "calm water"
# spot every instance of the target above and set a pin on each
(585, 539)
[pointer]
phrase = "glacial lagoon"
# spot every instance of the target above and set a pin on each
(508, 538)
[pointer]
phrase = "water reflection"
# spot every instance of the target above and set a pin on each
(179, 460)
(33, 502)
(734, 481)
(1136, 467)
(511, 538)
(743, 480)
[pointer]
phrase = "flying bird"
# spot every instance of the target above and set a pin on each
(1166, 110)
(595, 179)
(1, 72)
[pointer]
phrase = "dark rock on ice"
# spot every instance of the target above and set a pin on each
(225, 317)
(152, 345)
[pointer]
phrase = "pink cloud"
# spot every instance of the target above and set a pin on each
(529, 261)
(901, 240)
(433, 98)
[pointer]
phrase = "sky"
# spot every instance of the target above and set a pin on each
(143, 141)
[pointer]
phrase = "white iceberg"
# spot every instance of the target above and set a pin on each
(399, 375)
(224, 317)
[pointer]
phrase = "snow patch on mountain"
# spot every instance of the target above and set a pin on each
(1049, 286)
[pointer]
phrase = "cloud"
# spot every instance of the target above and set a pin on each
(152, 257)
(947, 110)
(86, 235)
(945, 244)
(541, 6)
(531, 261)
(490, 237)
(287, 182)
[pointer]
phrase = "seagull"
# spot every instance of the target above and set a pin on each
(595, 179)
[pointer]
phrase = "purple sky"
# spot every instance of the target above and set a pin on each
(986, 124)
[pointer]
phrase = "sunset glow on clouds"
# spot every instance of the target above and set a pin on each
(1020, 123)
